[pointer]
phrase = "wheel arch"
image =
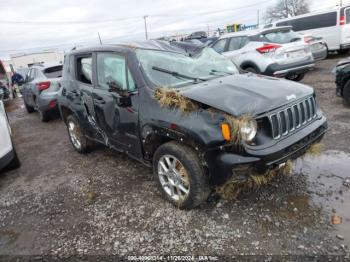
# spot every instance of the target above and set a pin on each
(248, 64)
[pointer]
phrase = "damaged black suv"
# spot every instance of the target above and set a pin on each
(196, 120)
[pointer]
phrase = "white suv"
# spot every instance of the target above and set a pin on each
(278, 52)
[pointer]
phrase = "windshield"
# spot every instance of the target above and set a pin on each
(175, 70)
(282, 37)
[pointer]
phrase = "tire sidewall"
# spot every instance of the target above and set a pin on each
(82, 139)
(194, 170)
(346, 92)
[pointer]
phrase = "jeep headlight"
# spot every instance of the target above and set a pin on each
(248, 130)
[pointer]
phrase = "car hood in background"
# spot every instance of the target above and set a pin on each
(246, 93)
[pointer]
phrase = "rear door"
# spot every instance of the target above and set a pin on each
(234, 49)
(118, 122)
(28, 87)
(82, 94)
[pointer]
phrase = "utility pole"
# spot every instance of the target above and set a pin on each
(144, 18)
(341, 3)
(99, 37)
(258, 22)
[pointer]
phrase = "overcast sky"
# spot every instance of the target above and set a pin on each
(66, 23)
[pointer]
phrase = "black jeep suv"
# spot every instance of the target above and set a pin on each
(196, 120)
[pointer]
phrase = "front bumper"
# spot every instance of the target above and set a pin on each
(222, 164)
(278, 70)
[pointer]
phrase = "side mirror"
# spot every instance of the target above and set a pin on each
(124, 98)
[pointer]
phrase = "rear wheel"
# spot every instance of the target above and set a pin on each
(296, 77)
(29, 108)
(251, 70)
(180, 175)
(77, 137)
(346, 92)
(44, 116)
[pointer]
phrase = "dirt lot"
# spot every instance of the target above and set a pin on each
(60, 202)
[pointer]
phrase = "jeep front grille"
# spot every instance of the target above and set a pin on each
(292, 118)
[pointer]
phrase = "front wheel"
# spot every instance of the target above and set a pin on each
(296, 77)
(180, 175)
(346, 93)
(76, 135)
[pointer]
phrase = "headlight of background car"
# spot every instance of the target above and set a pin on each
(248, 130)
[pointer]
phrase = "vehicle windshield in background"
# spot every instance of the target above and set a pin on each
(53, 72)
(282, 37)
(171, 69)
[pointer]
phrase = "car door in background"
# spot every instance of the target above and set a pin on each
(234, 49)
(118, 120)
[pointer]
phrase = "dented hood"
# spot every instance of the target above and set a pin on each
(246, 93)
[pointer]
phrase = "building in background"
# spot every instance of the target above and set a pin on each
(25, 60)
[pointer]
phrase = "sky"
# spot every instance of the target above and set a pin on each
(32, 25)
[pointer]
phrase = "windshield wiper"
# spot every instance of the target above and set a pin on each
(213, 71)
(177, 74)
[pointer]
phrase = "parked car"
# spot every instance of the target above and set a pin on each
(40, 90)
(8, 156)
(342, 79)
(333, 25)
(197, 35)
(278, 52)
(318, 46)
(110, 95)
(4, 92)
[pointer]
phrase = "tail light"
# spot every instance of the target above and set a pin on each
(268, 48)
(43, 85)
(342, 20)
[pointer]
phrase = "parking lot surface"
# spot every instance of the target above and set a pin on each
(63, 203)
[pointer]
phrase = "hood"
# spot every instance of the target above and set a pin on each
(246, 93)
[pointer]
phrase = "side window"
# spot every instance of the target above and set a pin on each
(244, 41)
(84, 69)
(28, 75)
(347, 15)
(235, 43)
(220, 46)
(111, 70)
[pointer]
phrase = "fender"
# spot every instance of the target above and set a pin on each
(153, 136)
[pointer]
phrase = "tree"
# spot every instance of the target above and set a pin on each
(286, 8)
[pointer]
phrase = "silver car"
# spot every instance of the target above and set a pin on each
(8, 156)
(278, 52)
(40, 90)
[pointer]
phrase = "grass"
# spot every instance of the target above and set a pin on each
(315, 149)
(171, 98)
(233, 187)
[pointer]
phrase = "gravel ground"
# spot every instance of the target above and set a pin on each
(62, 203)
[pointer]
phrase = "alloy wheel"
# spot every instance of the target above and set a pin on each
(74, 134)
(173, 178)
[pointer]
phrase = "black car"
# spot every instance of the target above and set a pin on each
(197, 35)
(195, 120)
(342, 71)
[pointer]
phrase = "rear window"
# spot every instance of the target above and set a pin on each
(53, 72)
(281, 37)
(311, 22)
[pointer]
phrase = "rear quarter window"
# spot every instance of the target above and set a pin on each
(53, 72)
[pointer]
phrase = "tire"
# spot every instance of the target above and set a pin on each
(346, 93)
(296, 78)
(29, 108)
(77, 137)
(190, 175)
(44, 116)
(15, 163)
(251, 70)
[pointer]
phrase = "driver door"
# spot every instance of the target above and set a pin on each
(118, 121)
